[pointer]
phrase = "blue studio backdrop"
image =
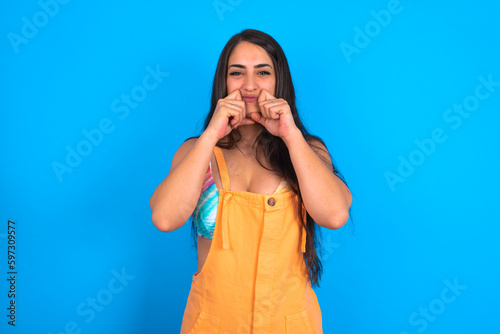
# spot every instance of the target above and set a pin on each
(96, 96)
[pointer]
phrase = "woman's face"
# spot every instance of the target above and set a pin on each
(250, 69)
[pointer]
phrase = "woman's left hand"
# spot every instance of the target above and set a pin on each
(276, 117)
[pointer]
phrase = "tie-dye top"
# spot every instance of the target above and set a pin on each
(205, 213)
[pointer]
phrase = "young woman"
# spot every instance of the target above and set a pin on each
(256, 186)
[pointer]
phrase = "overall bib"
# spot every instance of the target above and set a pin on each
(254, 278)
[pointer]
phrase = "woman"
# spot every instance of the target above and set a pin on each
(265, 183)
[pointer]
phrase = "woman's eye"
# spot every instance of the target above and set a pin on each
(234, 74)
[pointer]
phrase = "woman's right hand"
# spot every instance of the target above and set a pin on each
(228, 116)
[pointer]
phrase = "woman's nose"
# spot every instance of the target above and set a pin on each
(249, 83)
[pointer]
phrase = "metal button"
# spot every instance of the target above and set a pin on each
(271, 201)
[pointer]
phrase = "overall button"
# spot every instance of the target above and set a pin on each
(271, 201)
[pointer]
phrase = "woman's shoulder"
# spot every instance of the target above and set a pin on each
(183, 150)
(314, 140)
(317, 144)
(188, 143)
(319, 147)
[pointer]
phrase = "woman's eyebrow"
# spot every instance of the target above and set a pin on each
(242, 66)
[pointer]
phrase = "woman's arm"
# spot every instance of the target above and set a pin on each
(325, 196)
(175, 198)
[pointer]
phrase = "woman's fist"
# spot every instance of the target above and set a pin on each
(275, 115)
(228, 115)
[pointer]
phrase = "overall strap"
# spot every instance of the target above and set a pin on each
(221, 163)
(303, 231)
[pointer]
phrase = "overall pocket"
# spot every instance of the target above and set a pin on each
(206, 324)
(298, 323)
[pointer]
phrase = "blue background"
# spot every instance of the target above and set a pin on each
(387, 271)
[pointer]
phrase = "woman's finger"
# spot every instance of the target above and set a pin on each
(264, 99)
(240, 106)
(234, 113)
(235, 98)
(265, 109)
(270, 108)
(234, 95)
(277, 109)
(259, 118)
(242, 115)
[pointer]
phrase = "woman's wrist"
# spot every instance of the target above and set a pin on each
(209, 138)
(293, 137)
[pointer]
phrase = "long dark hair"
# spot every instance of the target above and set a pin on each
(273, 148)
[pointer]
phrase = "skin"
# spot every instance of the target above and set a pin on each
(325, 196)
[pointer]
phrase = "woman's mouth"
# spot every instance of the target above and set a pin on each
(249, 99)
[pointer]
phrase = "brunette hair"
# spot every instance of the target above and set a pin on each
(273, 148)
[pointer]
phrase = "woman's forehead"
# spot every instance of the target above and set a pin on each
(250, 54)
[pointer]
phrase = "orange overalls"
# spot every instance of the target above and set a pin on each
(253, 280)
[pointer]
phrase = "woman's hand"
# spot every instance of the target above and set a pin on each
(229, 113)
(276, 115)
